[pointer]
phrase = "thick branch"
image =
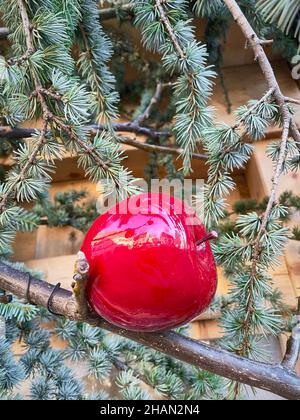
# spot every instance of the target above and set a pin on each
(152, 148)
(273, 378)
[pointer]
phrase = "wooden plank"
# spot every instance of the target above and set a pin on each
(24, 246)
(247, 82)
(56, 270)
(77, 185)
(46, 242)
(293, 263)
(206, 330)
(52, 242)
(286, 287)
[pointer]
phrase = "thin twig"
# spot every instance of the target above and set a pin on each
(292, 100)
(168, 26)
(153, 148)
(266, 41)
(153, 102)
(50, 93)
(87, 147)
(293, 345)
(19, 61)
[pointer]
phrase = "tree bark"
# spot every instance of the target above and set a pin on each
(273, 378)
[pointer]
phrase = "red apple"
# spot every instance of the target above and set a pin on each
(147, 272)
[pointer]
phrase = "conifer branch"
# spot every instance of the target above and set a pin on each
(288, 125)
(166, 22)
(91, 67)
(104, 14)
(36, 150)
(120, 365)
(254, 107)
(255, 43)
(273, 378)
(87, 147)
(256, 245)
(172, 35)
(242, 120)
(91, 151)
(30, 49)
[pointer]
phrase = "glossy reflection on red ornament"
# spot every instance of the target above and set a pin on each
(146, 271)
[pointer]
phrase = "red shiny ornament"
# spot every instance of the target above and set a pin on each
(151, 270)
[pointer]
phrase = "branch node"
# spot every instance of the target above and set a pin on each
(5, 299)
(79, 285)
